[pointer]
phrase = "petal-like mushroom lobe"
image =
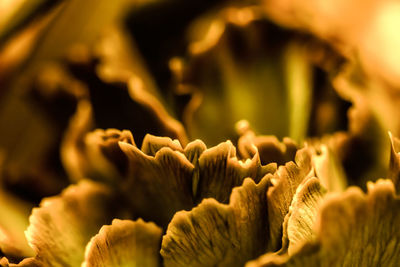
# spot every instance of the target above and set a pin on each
(361, 229)
(280, 195)
(97, 155)
(220, 171)
(329, 170)
(351, 229)
(302, 214)
(125, 243)
(104, 158)
(62, 226)
(4, 262)
(157, 187)
(394, 168)
(152, 144)
(269, 147)
(163, 177)
(193, 152)
(215, 234)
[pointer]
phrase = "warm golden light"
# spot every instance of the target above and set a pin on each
(199, 133)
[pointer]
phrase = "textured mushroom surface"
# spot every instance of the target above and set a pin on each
(62, 226)
(351, 229)
(199, 133)
(215, 234)
(125, 243)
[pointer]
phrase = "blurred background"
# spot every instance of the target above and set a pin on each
(316, 71)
